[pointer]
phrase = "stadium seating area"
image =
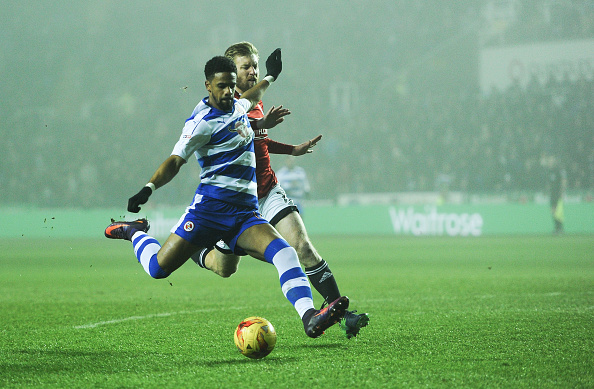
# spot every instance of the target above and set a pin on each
(500, 142)
(468, 142)
(85, 127)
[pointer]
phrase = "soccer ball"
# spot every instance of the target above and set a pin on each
(255, 337)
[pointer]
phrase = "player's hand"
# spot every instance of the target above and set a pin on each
(306, 147)
(138, 199)
(274, 116)
(274, 65)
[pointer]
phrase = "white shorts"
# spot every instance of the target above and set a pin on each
(276, 205)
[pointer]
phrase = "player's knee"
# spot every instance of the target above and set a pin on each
(226, 267)
(227, 271)
(308, 255)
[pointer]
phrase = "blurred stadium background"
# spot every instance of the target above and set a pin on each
(425, 103)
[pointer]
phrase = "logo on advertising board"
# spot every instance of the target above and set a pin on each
(408, 221)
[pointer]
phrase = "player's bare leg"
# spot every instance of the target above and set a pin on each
(256, 239)
(291, 227)
(221, 264)
(158, 261)
(175, 252)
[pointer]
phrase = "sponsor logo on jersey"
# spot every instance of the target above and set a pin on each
(261, 133)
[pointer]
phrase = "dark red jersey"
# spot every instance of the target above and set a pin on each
(263, 145)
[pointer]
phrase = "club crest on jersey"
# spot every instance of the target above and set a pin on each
(188, 226)
(240, 128)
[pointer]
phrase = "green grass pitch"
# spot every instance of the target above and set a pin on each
(460, 312)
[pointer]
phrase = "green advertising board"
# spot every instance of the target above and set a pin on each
(445, 220)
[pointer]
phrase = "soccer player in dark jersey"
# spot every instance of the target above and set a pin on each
(274, 204)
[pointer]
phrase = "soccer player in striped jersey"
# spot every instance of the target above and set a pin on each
(225, 205)
(274, 203)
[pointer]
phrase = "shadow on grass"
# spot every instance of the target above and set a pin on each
(270, 358)
(246, 360)
(39, 361)
(322, 346)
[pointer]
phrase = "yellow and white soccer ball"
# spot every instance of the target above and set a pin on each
(255, 337)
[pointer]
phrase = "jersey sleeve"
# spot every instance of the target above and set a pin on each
(275, 147)
(245, 104)
(194, 135)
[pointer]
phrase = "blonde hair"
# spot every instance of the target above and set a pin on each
(241, 49)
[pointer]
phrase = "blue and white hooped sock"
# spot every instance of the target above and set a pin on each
(293, 281)
(146, 248)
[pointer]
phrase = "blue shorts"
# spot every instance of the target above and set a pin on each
(208, 220)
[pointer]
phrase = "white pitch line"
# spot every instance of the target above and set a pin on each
(166, 314)
(116, 321)
(149, 316)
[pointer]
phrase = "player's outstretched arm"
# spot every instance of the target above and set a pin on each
(165, 173)
(306, 147)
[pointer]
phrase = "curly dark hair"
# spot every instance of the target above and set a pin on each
(219, 64)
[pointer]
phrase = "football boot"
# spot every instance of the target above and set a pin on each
(326, 317)
(352, 323)
(125, 230)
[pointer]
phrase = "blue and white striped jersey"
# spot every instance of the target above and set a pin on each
(294, 181)
(224, 147)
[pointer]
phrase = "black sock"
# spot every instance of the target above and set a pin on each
(306, 317)
(323, 281)
(200, 257)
